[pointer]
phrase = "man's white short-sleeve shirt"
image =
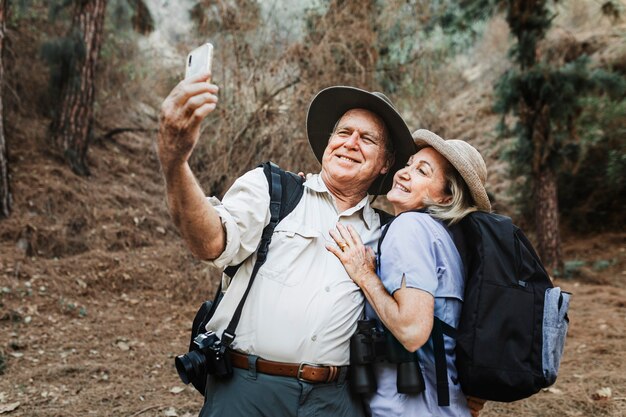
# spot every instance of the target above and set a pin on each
(303, 306)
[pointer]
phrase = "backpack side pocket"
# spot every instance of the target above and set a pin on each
(555, 323)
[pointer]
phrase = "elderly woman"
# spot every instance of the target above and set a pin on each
(420, 272)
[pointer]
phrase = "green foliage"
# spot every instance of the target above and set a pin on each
(311, 17)
(130, 15)
(592, 185)
(578, 100)
(120, 12)
(602, 264)
(414, 54)
(57, 9)
(571, 104)
(397, 47)
(562, 90)
(19, 9)
(528, 21)
(572, 267)
(63, 56)
(408, 54)
(458, 17)
(450, 25)
(616, 167)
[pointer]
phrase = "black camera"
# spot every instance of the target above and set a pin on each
(367, 346)
(209, 357)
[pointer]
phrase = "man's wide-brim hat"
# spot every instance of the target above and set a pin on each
(464, 158)
(330, 104)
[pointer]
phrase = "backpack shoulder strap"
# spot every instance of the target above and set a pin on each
(290, 194)
(441, 328)
(278, 194)
(384, 216)
(292, 187)
(383, 233)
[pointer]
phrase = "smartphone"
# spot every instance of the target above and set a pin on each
(199, 60)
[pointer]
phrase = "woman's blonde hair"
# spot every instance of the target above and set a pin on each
(461, 203)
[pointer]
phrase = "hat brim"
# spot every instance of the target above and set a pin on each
(425, 138)
(331, 103)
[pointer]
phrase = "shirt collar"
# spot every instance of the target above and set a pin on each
(315, 183)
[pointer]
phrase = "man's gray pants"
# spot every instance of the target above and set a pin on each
(251, 394)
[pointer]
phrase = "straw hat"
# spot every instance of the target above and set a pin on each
(465, 158)
(330, 104)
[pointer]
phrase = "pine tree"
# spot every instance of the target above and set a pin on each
(529, 21)
(72, 126)
(547, 98)
(76, 60)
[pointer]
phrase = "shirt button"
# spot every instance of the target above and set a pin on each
(314, 337)
(327, 288)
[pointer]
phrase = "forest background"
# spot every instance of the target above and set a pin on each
(97, 290)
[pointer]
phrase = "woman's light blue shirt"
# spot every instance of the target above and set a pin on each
(421, 249)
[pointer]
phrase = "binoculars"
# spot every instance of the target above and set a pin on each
(369, 345)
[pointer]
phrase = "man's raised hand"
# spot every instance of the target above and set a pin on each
(181, 115)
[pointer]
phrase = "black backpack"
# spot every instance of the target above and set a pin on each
(513, 323)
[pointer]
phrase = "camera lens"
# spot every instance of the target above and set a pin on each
(190, 366)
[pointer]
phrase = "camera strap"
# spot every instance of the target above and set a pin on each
(276, 194)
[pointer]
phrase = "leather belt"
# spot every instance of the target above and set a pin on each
(306, 372)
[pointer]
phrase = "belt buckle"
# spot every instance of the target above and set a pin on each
(301, 369)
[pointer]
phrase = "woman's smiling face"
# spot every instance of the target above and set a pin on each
(422, 179)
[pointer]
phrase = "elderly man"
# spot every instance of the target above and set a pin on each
(303, 307)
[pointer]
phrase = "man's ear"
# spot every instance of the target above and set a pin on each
(388, 164)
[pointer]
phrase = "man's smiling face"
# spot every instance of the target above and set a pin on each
(355, 154)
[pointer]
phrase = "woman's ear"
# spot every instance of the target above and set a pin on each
(446, 200)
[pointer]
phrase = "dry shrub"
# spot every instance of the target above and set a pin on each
(267, 79)
(563, 46)
(339, 48)
(26, 75)
(122, 71)
(583, 15)
(265, 88)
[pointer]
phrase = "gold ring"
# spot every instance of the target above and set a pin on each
(342, 246)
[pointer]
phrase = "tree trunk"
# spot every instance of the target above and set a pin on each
(5, 191)
(545, 202)
(71, 129)
(547, 220)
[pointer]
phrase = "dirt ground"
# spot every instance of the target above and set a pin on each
(97, 294)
